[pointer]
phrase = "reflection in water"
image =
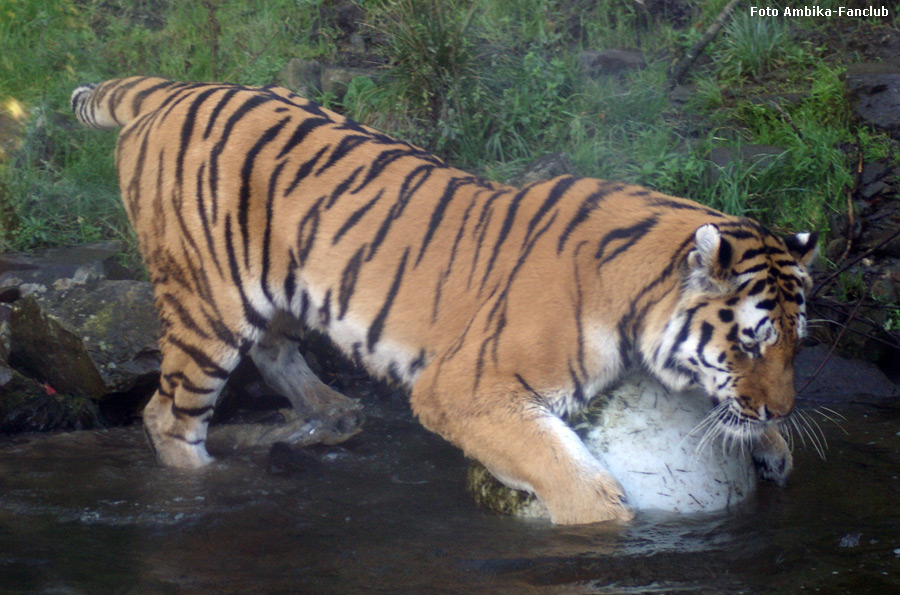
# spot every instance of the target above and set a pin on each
(92, 512)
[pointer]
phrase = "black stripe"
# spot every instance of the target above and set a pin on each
(214, 115)
(201, 210)
(349, 277)
(184, 382)
(304, 169)
(245, 108)
(300, 134)
(251, 315)
(559, 189)
(187, 321)
(190, 411)
(540, 399)
(632, 234)
(267, 234)
(187, 131)
(584, 210)
(411, 184)
(505, 228)
(290, 280)
(442, 278)
(676, 205)
(347, 144)
(341, 188)
(757, 288)
(246, 178)
(767, 304)
(354, 218)
(437, 215)
(377, 326)
(137, 100)
(203, 361)
(307, 231)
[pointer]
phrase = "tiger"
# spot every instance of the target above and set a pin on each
(501, 309)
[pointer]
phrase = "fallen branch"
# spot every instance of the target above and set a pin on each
(685, 63)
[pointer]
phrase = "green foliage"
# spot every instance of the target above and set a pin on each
(489, 85)
(751, 45)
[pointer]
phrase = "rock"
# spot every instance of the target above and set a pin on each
(643, 435)
(60, 268)
(336, 79)
(839, 377)
(605, 62)
(878, 227)
(303, 77)
(544, 168)
(91, 339)
(875, 90)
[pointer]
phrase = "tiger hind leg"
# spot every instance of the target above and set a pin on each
(177, 416)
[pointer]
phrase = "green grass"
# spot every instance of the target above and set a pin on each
(489, 85)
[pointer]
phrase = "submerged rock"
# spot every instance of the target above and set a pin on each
(644, 435)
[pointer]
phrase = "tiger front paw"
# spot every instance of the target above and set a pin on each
(772, 457)
(595, 499)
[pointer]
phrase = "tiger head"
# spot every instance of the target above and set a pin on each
(739, 323)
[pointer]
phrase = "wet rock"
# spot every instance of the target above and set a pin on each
(605, 62)
(839, 376)
(544, 168)
(61, 268)
(875, 90)
(91, 339)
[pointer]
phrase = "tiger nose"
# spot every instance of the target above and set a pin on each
(776, 411)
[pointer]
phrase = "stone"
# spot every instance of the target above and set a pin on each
(336, 79)
(879, 227)
(605, 62)
(91, 339)
(62, 267)
(840, 376)
(875, 93)
(303, 77)
(646, 438)
(543, 168)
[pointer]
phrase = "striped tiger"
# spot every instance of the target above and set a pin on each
(502, 309)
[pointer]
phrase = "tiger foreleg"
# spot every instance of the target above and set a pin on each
(527, 448)
(318, 409)
(772, 456)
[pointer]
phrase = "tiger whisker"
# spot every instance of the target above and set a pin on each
(812, 431)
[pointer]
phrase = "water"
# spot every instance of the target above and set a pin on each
(92, 513)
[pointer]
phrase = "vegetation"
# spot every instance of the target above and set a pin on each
(490, 85)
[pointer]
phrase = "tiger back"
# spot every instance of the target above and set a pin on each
(502, 309)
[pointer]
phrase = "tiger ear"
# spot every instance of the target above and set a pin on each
(803, 247)
(708, 264)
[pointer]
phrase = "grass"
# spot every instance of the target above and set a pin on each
(489, 85)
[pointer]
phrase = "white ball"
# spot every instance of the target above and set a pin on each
(645, 436)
